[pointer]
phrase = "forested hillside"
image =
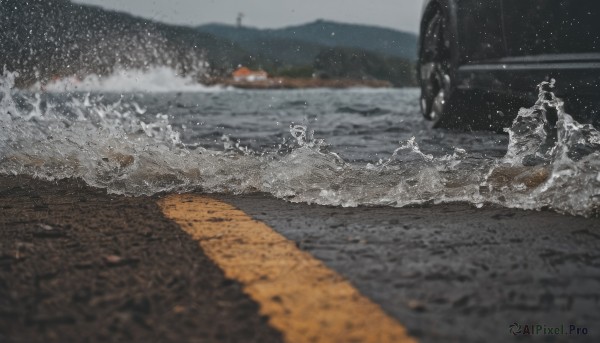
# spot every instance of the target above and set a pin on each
(45, 39)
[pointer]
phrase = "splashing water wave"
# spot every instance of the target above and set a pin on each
(552, 161)
(152, 80)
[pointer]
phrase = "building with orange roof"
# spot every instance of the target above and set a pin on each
(248, 75)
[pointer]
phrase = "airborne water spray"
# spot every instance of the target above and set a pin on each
(115, 146)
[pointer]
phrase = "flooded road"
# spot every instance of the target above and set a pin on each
(360, 125)
(330, 147)
(436, 234)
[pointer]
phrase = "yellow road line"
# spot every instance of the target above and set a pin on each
(304, 300)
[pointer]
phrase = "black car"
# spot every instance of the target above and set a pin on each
(479, 60)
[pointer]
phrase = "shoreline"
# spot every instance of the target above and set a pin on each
(301, 83)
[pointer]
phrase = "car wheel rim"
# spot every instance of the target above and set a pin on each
(436, 82)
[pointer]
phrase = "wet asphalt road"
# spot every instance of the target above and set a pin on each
(455, 273)
(79, 265)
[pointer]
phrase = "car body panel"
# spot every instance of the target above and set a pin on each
(574, 77)
(509, 46)
(480, 30)
(538, 27)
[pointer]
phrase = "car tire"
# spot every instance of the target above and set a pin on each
(435, 69)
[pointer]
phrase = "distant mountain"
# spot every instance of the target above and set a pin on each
(46, 39)
(359, 64)
(378, 40)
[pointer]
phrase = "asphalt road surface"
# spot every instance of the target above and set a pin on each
(455, 273)
(79, 265)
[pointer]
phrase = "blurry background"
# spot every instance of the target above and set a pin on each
(363, 43)
(397, 14)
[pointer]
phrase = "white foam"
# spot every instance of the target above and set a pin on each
(151, 80)
(108, 146)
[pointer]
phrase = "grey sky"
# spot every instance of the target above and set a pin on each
(398, 14)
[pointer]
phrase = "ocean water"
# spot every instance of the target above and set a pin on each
(147, 132)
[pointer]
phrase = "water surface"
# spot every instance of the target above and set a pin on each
(335, 147)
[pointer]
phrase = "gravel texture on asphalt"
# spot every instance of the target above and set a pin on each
(78, 265)
(455, 273)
